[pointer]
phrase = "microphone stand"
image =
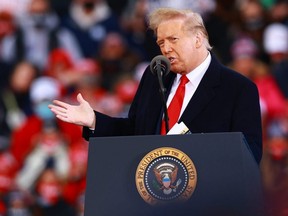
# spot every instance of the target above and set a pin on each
(162, 90)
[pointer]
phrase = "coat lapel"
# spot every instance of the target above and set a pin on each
(204, 93)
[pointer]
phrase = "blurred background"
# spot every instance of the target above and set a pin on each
(54, 49)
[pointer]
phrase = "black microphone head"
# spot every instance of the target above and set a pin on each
(162, 62)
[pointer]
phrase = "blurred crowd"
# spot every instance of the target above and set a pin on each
(54, 49)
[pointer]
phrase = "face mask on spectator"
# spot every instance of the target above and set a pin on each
(39, 20)
(42, 110)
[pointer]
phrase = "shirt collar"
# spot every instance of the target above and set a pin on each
(196, 75)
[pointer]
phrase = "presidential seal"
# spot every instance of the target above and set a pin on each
(165, 175)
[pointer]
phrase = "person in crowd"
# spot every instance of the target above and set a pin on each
(253, 19)
(18, 204)
(15, 103)
(278, 11)
(134, 24)
(276, 46)
(49, 196)
(75, 184)
(50, 147)
(24, 139)
(246, 61)
(222, 19)
(216, 99)
(274, 168)
(116, 59)
(89, 79)
(90, 21)
(37, 33)
(126, 89)
(60, 66)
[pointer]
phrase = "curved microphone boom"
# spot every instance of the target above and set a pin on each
(160, 66)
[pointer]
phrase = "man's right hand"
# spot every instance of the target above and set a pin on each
(81, 114)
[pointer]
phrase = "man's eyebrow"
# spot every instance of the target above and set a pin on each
(159, 41)
(167, 37)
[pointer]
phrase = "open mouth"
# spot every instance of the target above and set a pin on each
(171, 59)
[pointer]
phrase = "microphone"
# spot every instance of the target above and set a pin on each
(160, 66)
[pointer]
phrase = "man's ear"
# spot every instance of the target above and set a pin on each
(198, 39)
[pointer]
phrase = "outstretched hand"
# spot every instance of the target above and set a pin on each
(81, 114)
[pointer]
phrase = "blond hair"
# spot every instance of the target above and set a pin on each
(192, 21)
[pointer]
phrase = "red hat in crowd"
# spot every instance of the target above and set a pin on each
(126, 90)
(87, 66)
(244, 47)
(58, 59)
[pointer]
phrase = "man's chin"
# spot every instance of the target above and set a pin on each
(177, 70)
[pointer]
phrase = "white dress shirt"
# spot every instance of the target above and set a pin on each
(194, 77)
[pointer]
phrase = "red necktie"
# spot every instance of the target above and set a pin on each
(175, 106)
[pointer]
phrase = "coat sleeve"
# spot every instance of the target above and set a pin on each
(112, 126)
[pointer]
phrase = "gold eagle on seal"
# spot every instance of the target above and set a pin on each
(166, 176)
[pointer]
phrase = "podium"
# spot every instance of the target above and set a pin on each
(225, 179)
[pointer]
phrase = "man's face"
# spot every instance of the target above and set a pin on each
(178, 45)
